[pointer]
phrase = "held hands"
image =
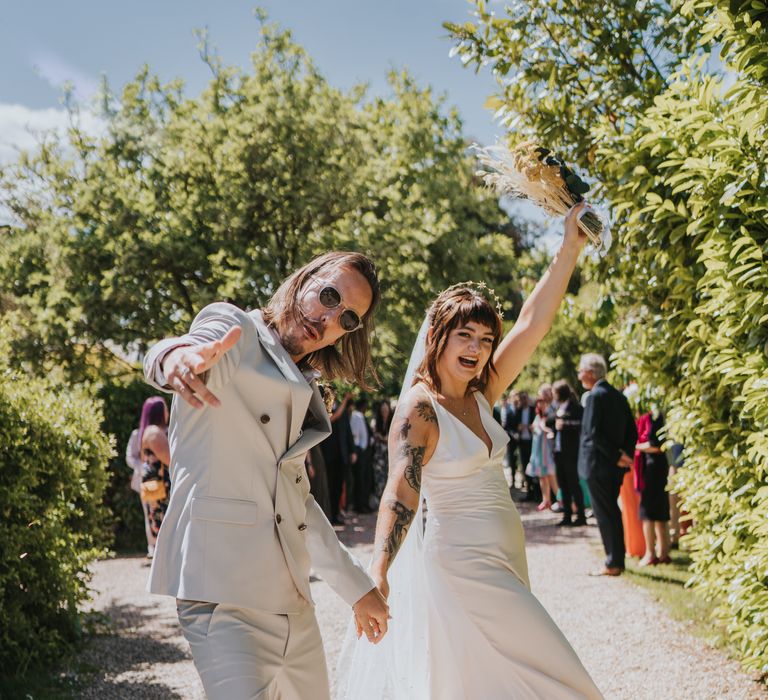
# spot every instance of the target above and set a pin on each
(625, 461)
(183, 366)
(371, 615)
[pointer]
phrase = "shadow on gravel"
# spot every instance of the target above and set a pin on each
(537, 533)
(357, 530)
(129, 689)
(128, 642)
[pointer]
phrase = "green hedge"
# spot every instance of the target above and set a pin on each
(54, 523)
(679, 142)
(691, 188)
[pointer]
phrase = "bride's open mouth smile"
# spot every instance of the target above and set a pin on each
(468, 362)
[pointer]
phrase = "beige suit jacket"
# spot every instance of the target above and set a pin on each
(241, 527)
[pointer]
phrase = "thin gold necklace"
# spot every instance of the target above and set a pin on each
(464, 412)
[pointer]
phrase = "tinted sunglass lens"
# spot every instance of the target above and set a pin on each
(349, 321)
(329, 297)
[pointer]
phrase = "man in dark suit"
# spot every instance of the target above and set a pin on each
(523, 425)
(608, 438)
(339, 452)
(567, 425)
(507, 420)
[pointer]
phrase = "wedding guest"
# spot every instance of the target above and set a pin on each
(654, 502)
(507, 420)
(546, 395)
(629, 495)
(567, 432)
(318, 479)
(542, 463)
(608, 437)
(363, 462)
(583, 481)
(524, 421)
(134, 460)
(156, 458)
(338, 452)
(675, 529)
(381, 424)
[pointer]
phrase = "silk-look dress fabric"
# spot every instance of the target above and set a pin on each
(487, 636)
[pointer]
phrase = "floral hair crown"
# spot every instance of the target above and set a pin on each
(484, 290)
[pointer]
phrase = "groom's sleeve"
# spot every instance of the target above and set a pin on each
(332, 560)
(212, 323)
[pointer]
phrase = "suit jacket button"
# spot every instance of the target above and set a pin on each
(264, 419)
(302, 527)
(299, 478)
(278, 518)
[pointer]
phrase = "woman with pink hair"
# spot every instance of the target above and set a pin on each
(150, 438)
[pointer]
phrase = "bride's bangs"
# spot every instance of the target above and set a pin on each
(476, 309)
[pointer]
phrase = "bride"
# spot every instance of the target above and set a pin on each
(464, 621)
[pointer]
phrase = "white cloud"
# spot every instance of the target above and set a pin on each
(58, 73)
(21, 128)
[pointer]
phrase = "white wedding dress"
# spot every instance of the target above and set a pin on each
(487, 636)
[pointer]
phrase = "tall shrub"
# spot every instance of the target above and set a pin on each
(691, 190)
(52, 479)
(679, 144)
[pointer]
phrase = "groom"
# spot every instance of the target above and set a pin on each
(242, 530)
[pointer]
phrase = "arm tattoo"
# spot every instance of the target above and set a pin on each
(403, 518)
(404, 429)
(415, 463)
(426, 412)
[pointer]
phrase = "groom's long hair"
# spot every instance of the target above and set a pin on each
(350, 358)
(453, 308)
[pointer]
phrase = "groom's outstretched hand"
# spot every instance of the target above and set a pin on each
(371, 615)
(183, 365)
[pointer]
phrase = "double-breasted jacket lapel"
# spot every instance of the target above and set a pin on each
(303, 396)
(316, 429)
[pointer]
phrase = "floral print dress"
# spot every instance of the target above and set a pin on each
(152, 469)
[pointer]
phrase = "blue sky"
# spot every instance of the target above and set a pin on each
(45, 43)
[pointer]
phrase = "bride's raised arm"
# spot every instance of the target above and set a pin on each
(412, 441)
(539, 310)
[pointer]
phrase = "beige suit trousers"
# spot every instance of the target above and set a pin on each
(245, 654)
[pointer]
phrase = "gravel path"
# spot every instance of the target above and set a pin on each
(628, 644)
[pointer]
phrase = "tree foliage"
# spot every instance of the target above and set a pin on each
(682, 165)
(122, 236)
(563, 65)
(53, 524)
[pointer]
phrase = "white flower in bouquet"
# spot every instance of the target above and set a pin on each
(530, 171)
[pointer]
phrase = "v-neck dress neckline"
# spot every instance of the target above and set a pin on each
(472, 432)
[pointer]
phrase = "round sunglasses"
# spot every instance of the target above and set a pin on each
(330, 298)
